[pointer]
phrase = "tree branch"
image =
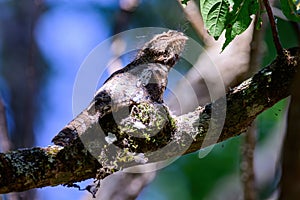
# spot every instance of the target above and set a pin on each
(275, 34)
(38, 167)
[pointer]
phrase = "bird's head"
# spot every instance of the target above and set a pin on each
(164, 48)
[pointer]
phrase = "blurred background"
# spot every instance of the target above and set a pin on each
(44, 42)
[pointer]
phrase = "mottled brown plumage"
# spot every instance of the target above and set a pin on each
(143, 80)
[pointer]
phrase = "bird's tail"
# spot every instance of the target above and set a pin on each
(79, 125)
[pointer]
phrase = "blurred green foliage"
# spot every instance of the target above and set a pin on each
(193, 178)
(291, 9)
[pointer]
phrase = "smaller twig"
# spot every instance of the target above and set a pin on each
(193, 15)
(4, 139)
(275, 34)
(247, 164)
(248, 148)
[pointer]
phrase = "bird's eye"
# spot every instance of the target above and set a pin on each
(147, 50)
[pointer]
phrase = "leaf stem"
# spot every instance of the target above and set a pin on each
(275, 34)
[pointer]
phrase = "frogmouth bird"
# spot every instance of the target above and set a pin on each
(141, 81)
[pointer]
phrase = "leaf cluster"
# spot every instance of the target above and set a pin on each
(231, 16)
(235, 16)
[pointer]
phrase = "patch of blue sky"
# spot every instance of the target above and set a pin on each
(65, 36)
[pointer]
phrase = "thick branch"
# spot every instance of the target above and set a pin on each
(38, 167)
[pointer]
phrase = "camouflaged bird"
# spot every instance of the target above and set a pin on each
(142, 80)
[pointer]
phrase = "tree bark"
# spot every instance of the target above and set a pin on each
(50, 166)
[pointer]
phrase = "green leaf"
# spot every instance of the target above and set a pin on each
(291, 9)
(239, 19)
(214, 13)
(233, 16)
